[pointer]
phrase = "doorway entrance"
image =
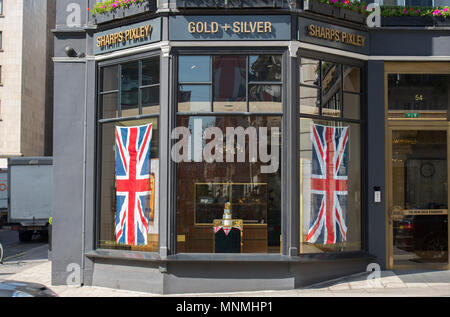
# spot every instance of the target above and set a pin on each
(418, 196)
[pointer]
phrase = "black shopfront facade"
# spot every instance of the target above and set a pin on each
(300, 124)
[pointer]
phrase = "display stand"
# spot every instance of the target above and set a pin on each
(228, 239)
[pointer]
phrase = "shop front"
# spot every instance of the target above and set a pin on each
(417, 156)
(242, 151)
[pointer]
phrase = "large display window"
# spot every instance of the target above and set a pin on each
(128, 153)
(228, 165)
(330, 156)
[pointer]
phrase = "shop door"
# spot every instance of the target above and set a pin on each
(418, 197)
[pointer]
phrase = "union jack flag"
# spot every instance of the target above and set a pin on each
(329, 184)
(133, 184)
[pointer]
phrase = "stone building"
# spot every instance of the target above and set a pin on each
(26, 100)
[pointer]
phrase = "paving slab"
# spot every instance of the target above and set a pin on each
(398, 284)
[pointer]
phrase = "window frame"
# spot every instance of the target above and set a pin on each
(362, 121)
(284, 53)
(99, 122)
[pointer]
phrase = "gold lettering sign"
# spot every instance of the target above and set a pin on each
(336, 35)
(237, 27)
(123, 36)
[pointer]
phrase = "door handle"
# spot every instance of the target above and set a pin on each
(395, 212)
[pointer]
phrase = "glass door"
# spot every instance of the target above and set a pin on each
(418, 197)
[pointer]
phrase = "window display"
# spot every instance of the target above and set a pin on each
(129, 154)
(255, 197)
(330, 157)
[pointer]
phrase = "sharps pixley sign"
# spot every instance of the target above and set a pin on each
(127, 36)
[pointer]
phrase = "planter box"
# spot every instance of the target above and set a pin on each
(121, 13)
(440, 21)
(190, 4)
(262, 3)
(323, 8)
(199, 4)
(353, 16)
(103, 17)
(407, 21)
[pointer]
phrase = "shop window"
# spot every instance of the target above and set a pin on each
(329, 89)
(330, 186)
(418, 95)
(228, 170)
(130, 89)
(224, 84)
(128, 192)
(330, 157)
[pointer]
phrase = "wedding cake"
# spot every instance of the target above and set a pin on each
(227, 222)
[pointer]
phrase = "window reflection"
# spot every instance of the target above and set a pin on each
(229, 75)
(309, 100)
(309, 72)
(109, 105)
(110, 78)
(265, 98)
(352, 79)
(194, 69)
(130, 88)
(194, 98)
(150, 72)
(418, 92)
(265, 68)
(150, 100)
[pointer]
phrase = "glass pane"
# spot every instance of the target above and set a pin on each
(309, 100)
(192, 98)
(265, 98)
(428, 93)
(330, 186)
(229, 75)
(309, 71)
(352, 79)
(129, 90)
(109, 106)
(331, 105)
(150, 71)
(110, 78)
(194, 69)
(150, 100)
(115, 187)
(243, 175)
(265, 68)
(352, 106)
(331, 89)
(420, 197)
(419, 3)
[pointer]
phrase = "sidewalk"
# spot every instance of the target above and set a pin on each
(398, 283)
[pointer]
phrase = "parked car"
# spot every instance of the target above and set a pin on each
(23, 289)
(426, 235)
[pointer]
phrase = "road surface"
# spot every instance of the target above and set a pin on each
(20, 255)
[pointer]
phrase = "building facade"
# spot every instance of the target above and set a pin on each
(25, 86)
(223, 146)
